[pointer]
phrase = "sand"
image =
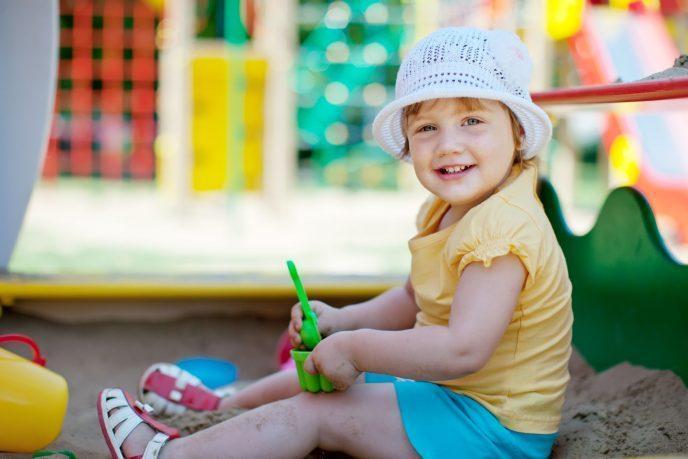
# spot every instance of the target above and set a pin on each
(678, 70)
(623, 411)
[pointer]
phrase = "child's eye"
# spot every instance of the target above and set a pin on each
(426, 128)
(472, 121)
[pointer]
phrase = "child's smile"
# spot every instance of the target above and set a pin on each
(461, 155)
(451, 172)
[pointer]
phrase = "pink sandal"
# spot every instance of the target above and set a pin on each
(171, 390)
(131, 413)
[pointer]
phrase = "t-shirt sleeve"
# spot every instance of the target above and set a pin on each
(495, 231)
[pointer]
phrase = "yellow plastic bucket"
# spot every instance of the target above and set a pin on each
(33, 400)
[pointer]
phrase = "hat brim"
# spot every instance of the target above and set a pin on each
(388, 133)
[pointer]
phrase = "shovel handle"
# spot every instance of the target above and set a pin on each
(300, 292)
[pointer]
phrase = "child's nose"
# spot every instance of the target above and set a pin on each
(451, 143)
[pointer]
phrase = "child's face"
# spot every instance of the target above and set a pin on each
(462, 156)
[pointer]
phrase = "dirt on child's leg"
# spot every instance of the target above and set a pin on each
(363, 421)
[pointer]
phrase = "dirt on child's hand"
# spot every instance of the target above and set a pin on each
(331, 358)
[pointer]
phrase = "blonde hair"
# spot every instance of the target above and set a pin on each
(471, 103)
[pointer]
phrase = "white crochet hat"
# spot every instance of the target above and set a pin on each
(465, 62)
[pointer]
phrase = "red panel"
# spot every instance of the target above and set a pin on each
(82, 25)
(143, 39)
(126, 100)
(584, 51)
(97, 39)
(142, 10)
(127, 38)
(113, 9)
(112, 69)
(670, 7)
(63, 101)
(113, 37)
(111, 164)
(143, 130)
(51, 164)
(142, 162)
(145, 53)
(81, 161)
(112, 130)
(83, 9)
(82, 132)
(111, 100)
(82, 38)
(142, 101)
(66, 38)
(82, 100)
(82, 68)
(143, 69)
(64, 70)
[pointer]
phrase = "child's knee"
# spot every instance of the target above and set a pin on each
(307, 402)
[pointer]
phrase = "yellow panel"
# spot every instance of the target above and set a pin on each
(254, 100)
(210, 95)
(237, 102)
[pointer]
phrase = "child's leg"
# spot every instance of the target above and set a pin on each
(277, 386)
(362, 421)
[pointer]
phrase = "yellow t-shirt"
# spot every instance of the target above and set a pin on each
(523, 382)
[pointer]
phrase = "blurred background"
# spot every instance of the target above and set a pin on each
(226, 136)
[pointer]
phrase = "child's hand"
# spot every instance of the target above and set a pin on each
(327, 320)
(332, 358)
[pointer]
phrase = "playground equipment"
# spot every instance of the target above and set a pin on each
(27, 89)
(105, 110)
(310, 337)
(349, 51)
(645, 146)
(33, 400)
(628, 290)
(637, 316)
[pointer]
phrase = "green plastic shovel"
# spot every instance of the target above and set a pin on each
(310, 335)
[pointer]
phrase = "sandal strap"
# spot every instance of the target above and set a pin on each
(126, 427)
(120, 416)
(130, 414)
(183, 390)
(115, 401)
(142, 411)
(155, 445)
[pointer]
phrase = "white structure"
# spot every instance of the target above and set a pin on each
(28, 48)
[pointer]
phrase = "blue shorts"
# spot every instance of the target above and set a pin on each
(440, 423)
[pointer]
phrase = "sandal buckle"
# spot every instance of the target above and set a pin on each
(144, 407)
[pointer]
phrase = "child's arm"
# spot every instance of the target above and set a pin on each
(483, 306)
(394, 309)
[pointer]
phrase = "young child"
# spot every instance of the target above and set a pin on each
(478, 338)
